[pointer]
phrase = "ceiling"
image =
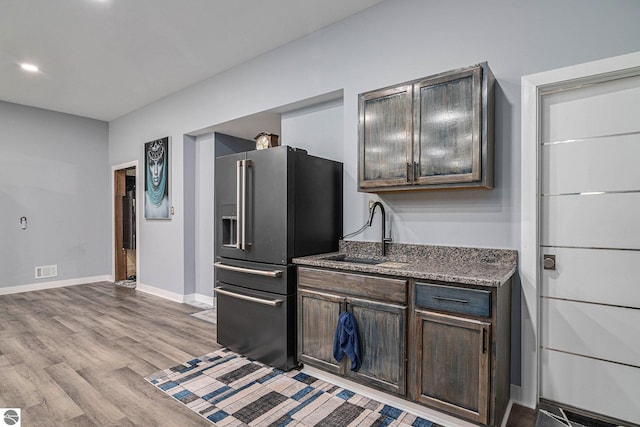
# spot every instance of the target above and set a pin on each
(105, 58)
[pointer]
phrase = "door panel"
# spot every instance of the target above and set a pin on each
(453, 356)
(602, 387)
(382, 341)
(317, 319)
(385, 137)
(596, 220)
(590, 143)
(120, 256)
(596, 275)
(594, 330)
(267, 205)
(227, 214)
(591, 165)
(447, 117)
(607, 108)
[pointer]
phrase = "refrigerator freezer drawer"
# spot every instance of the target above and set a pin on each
(278, 279)
(257, 324)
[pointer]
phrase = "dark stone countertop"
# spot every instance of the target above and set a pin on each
(471, 266)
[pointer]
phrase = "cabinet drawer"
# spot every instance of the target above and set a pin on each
(474, 302)
(264, 277)
(358, 285)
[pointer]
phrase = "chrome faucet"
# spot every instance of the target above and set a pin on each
(383, 239)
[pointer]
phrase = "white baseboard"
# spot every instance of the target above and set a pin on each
(39, 286)
(507, 413)
(517, 397)
(203, 299)
(171, 296)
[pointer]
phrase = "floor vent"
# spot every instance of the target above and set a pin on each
(46, 271)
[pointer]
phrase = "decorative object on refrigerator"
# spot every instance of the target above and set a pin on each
(266, 140)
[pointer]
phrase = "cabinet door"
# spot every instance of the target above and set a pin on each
(448, 128)
(385, 137)
(317, 319)
(382, 329)
(453, 364)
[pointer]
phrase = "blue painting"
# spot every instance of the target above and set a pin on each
(156, 183)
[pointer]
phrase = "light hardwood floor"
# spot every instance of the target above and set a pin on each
(77, 356)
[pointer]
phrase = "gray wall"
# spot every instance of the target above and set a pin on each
(54, 171)
(317, 129)
(189, 191)
(228, 144)
(395, 41)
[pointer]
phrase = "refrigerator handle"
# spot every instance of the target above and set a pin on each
(245, 164)
(268, 273)
(271, 302)
(238, 196)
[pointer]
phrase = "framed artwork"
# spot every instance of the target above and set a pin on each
(157, 203)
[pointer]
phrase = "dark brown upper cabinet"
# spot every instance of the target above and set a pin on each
(431, 133)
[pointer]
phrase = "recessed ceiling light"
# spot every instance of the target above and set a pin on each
(29, 67)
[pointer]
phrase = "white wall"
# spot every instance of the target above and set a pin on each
(54, 171)
(392, 42)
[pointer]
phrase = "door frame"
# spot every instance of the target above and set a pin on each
(530, 261)
(114, 169)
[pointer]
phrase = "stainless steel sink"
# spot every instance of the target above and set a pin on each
(360, 260)
(366, 261)
(355, 260)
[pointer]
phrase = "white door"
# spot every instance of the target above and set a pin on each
(589, 243)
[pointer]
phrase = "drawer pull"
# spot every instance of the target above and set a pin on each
(273, 273)
(272, 303)
(461, 301)
(484, 340)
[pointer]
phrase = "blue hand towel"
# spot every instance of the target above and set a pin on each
(347, 340)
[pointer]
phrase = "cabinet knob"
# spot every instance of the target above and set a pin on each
(549, 262)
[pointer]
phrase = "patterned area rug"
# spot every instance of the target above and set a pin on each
(231, 390)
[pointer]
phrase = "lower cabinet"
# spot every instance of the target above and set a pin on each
(452, 353)
(460, 351)
(452, 356)
(382, 327)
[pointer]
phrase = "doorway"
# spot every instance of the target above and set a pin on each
(580, 241)
(125, 221)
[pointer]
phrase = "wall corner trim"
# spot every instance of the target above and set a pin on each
(162, 293)
(199, 298)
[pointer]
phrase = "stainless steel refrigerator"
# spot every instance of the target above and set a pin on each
(270, 205)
